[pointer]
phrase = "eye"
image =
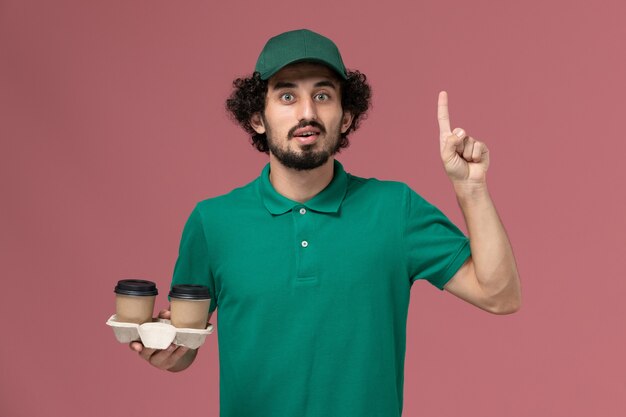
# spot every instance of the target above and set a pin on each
(286, 97)
(322, 97)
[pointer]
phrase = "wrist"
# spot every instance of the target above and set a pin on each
(469, 188)
(470, 192)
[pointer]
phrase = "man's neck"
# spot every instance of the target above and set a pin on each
(300, 186)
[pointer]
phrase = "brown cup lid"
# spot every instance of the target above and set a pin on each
(139, 287)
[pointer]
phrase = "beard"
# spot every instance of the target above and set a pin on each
(309, 157)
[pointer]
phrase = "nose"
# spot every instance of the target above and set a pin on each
(307, 109)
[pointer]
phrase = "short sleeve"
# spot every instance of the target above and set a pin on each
(435, 248)
(192, 265)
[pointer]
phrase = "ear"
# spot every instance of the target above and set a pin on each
(256, 121)
(346, 121)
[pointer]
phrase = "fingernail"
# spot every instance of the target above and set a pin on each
(460, 133)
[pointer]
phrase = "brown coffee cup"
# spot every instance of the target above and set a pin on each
(189, 306)
(134, 300)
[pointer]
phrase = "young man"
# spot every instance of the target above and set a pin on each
(311, 267)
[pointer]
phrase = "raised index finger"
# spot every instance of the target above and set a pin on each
(442, 115)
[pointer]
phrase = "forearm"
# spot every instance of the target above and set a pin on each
(184, 361)
(491, 249)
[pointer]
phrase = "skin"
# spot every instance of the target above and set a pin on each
(488, 279)
(308, 98)
(174, 358)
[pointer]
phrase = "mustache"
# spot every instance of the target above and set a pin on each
(305, 123)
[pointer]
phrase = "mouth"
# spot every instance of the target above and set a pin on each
(306, 135)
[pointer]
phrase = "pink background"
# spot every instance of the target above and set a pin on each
(112, 127)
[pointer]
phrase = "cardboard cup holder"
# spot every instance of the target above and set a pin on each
(158, 334)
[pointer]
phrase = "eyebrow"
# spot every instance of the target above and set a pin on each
(285, 84)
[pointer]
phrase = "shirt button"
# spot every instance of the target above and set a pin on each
(305, 243)
(302, 210)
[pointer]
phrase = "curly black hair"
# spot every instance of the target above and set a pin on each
(248, 98)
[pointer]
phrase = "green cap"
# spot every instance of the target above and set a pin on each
(296, 46)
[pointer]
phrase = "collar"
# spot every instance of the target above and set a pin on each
(328, 200)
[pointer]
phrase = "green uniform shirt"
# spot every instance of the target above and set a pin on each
(313, 298)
